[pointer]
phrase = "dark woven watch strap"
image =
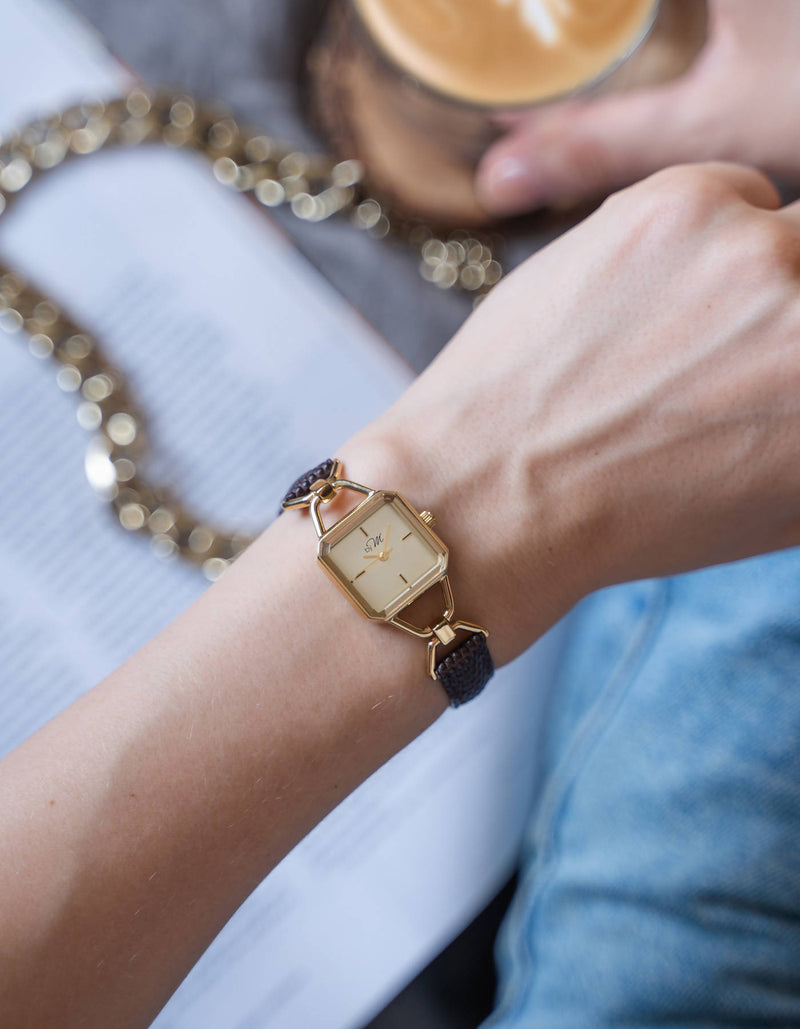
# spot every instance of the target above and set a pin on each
(300, 487)
(466, 670)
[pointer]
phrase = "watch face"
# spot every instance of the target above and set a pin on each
(383, 555)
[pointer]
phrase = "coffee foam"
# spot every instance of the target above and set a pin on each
(506, 51)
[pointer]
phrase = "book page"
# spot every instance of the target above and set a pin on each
(244, 360)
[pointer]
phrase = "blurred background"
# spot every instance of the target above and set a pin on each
(250, 54)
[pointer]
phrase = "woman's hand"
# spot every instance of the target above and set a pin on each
(626, 404)
(739, 102)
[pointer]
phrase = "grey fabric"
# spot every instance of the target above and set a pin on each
(249, 53)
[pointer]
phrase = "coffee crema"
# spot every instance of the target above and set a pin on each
(505, 52)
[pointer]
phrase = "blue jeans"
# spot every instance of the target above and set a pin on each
(661, 876)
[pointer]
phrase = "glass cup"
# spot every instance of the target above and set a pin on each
(419, 142)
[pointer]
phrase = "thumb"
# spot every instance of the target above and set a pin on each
(577, 149)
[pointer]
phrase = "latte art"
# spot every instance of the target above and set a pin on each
(557, 21)
(506, 51)
(544, 17)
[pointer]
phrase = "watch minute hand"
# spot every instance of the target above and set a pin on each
(384, 552)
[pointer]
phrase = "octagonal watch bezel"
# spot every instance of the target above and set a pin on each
(350, 522)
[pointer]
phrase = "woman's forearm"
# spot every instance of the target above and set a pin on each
(134, 824)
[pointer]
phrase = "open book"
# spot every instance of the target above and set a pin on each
(217, 322)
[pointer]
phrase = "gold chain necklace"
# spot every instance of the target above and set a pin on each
(314, 186)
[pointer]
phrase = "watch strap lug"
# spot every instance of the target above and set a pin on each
(300, 493)
(468, 667)
(428, 631)
(324, 492)
(319, 485)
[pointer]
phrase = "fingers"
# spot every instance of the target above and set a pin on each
(574, 150)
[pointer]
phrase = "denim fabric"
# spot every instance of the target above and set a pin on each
(661, 875)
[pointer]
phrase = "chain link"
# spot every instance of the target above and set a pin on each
(315, 187)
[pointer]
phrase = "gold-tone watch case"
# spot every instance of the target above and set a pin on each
(351, 521)
(323, 491)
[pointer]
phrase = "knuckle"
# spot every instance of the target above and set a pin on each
(674, 202)
(685, 197)
(773, 247)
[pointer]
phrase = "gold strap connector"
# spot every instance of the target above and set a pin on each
(324, 489)
(454, 627)
(444, 632)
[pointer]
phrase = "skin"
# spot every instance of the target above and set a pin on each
(738, 102)
(635, 413)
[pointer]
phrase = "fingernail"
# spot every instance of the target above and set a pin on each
(507, 186)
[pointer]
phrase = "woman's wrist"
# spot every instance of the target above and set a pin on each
(516, 562)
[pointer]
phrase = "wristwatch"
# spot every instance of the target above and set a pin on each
(383, 555)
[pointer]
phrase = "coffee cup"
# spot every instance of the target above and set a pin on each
(415, 89)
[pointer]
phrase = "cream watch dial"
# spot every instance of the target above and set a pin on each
(383, 555)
